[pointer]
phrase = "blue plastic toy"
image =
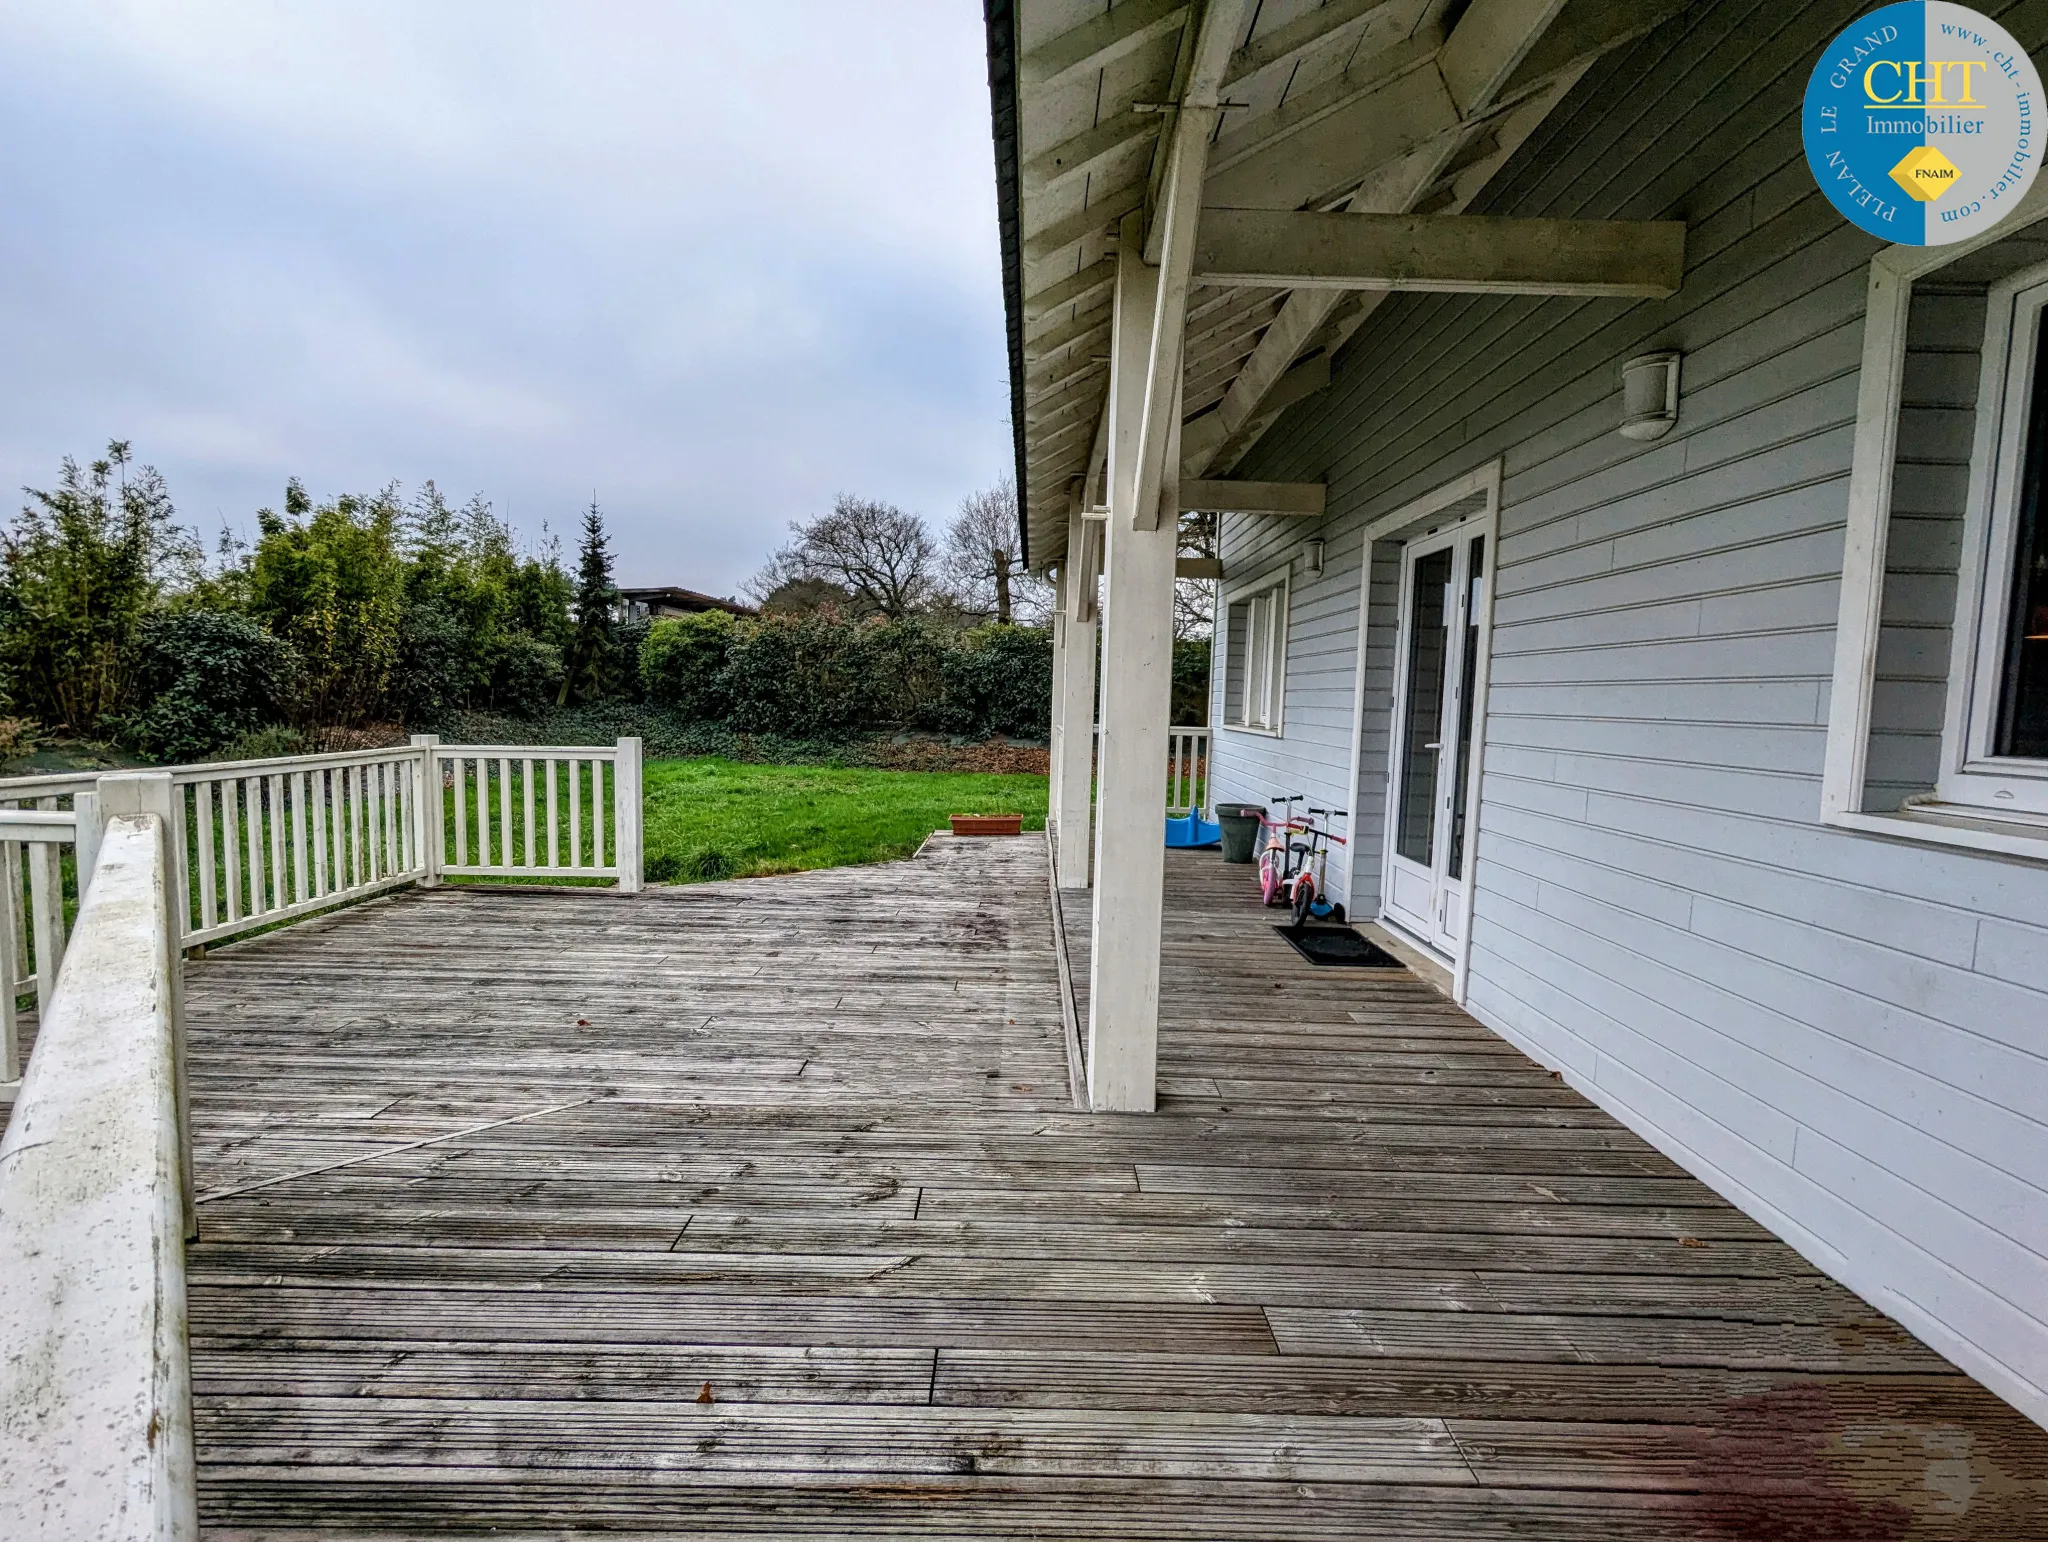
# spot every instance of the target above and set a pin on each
(1192, 830)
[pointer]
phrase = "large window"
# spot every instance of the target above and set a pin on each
(1255, 656)
(1999, 729)
(1938, 716)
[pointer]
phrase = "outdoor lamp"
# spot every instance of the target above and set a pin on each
(1315, 556)
(1649, 395)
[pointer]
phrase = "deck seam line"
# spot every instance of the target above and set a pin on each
(411, 1145)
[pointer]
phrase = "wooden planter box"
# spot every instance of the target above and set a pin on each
(988, 824)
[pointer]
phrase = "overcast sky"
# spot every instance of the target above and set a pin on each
(713, 262)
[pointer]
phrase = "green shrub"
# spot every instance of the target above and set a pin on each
(526, 673)
(682, 662)
(998, 680)
(272, 743)
(209, 678)
(795, 675)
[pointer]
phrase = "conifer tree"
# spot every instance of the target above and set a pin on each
(594, 648)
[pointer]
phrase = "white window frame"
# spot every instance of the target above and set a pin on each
(1970, 774)
(1278, 583)
(1984, 823)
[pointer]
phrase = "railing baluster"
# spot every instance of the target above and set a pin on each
(387, 775)
(504, 811)
(356, 838)
(408, 820)
(373, 819)
(10, 1032)
(483, 812)
(301, 884)
(554, 848)
(202, 825)
(252, 814)
(596, 813)
(575, 812)
(18, 973)
(460, 766)
(46, 897)
(526, 798)
(338, 813)
(231, 844)
(323, 824)
(280, 877)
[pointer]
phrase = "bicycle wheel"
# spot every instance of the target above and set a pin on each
(1269, 875)
(1304, 897)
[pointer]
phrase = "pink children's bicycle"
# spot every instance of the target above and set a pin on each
(1294, 858)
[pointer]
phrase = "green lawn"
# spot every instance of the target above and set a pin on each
(726, 819)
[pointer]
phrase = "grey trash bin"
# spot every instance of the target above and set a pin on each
(1240, 823)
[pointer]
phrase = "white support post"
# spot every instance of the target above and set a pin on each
(433, 815)
(85, 806)
(1137, 674)
(626, 815)
(1073, 745)
(150, 793)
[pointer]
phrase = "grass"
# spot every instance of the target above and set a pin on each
(716, 818)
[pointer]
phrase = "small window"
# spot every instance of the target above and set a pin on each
(1255, 656)
(1998, 729)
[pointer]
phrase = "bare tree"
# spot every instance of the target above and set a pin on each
(881, 556)
(1194, 599)
(983, 561)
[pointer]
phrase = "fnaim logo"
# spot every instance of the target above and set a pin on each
(1923, 123)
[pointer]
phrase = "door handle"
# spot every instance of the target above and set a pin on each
(1434, 744)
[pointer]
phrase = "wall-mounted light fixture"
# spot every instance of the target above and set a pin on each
(1649, 395)
(1315, 556)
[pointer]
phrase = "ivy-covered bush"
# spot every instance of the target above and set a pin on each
(209, 678)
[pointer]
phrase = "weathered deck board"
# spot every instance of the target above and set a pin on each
(499, 1186)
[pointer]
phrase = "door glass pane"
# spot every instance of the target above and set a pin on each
(2023, 698)
(1428, 655)
(1468, 671)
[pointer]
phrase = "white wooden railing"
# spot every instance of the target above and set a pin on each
(267, 841)
(33, 934)
(1187, 770)
(95, 1386)
(522, 812)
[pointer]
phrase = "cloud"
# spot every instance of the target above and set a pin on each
(714, 263)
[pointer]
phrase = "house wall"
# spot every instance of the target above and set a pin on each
(1847, 1036)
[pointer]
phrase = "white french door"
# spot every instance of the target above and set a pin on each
(1444, 579)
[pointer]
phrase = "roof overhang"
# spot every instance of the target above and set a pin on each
(1289, 119)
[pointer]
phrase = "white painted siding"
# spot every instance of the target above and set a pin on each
(1848, 1036)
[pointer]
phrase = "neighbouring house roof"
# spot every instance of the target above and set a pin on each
(1388, 107)
(686, 600)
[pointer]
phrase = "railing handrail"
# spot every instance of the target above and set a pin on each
(532, 751)
(214, 770)
(95, 1383)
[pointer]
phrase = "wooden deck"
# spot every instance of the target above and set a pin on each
(761, 1209)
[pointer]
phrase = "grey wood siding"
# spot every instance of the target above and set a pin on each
(1848, 1036)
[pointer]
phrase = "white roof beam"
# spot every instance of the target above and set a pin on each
(1089, 150)
(1095, 279)
(1491, 38)
(1451, 253)
(1185, 174)
(1104, 212)
(1286, 44)
(1118, 31)
(1302, 500)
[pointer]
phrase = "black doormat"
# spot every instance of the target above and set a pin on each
(1338, 945)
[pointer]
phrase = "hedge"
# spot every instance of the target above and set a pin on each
(818, 676)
